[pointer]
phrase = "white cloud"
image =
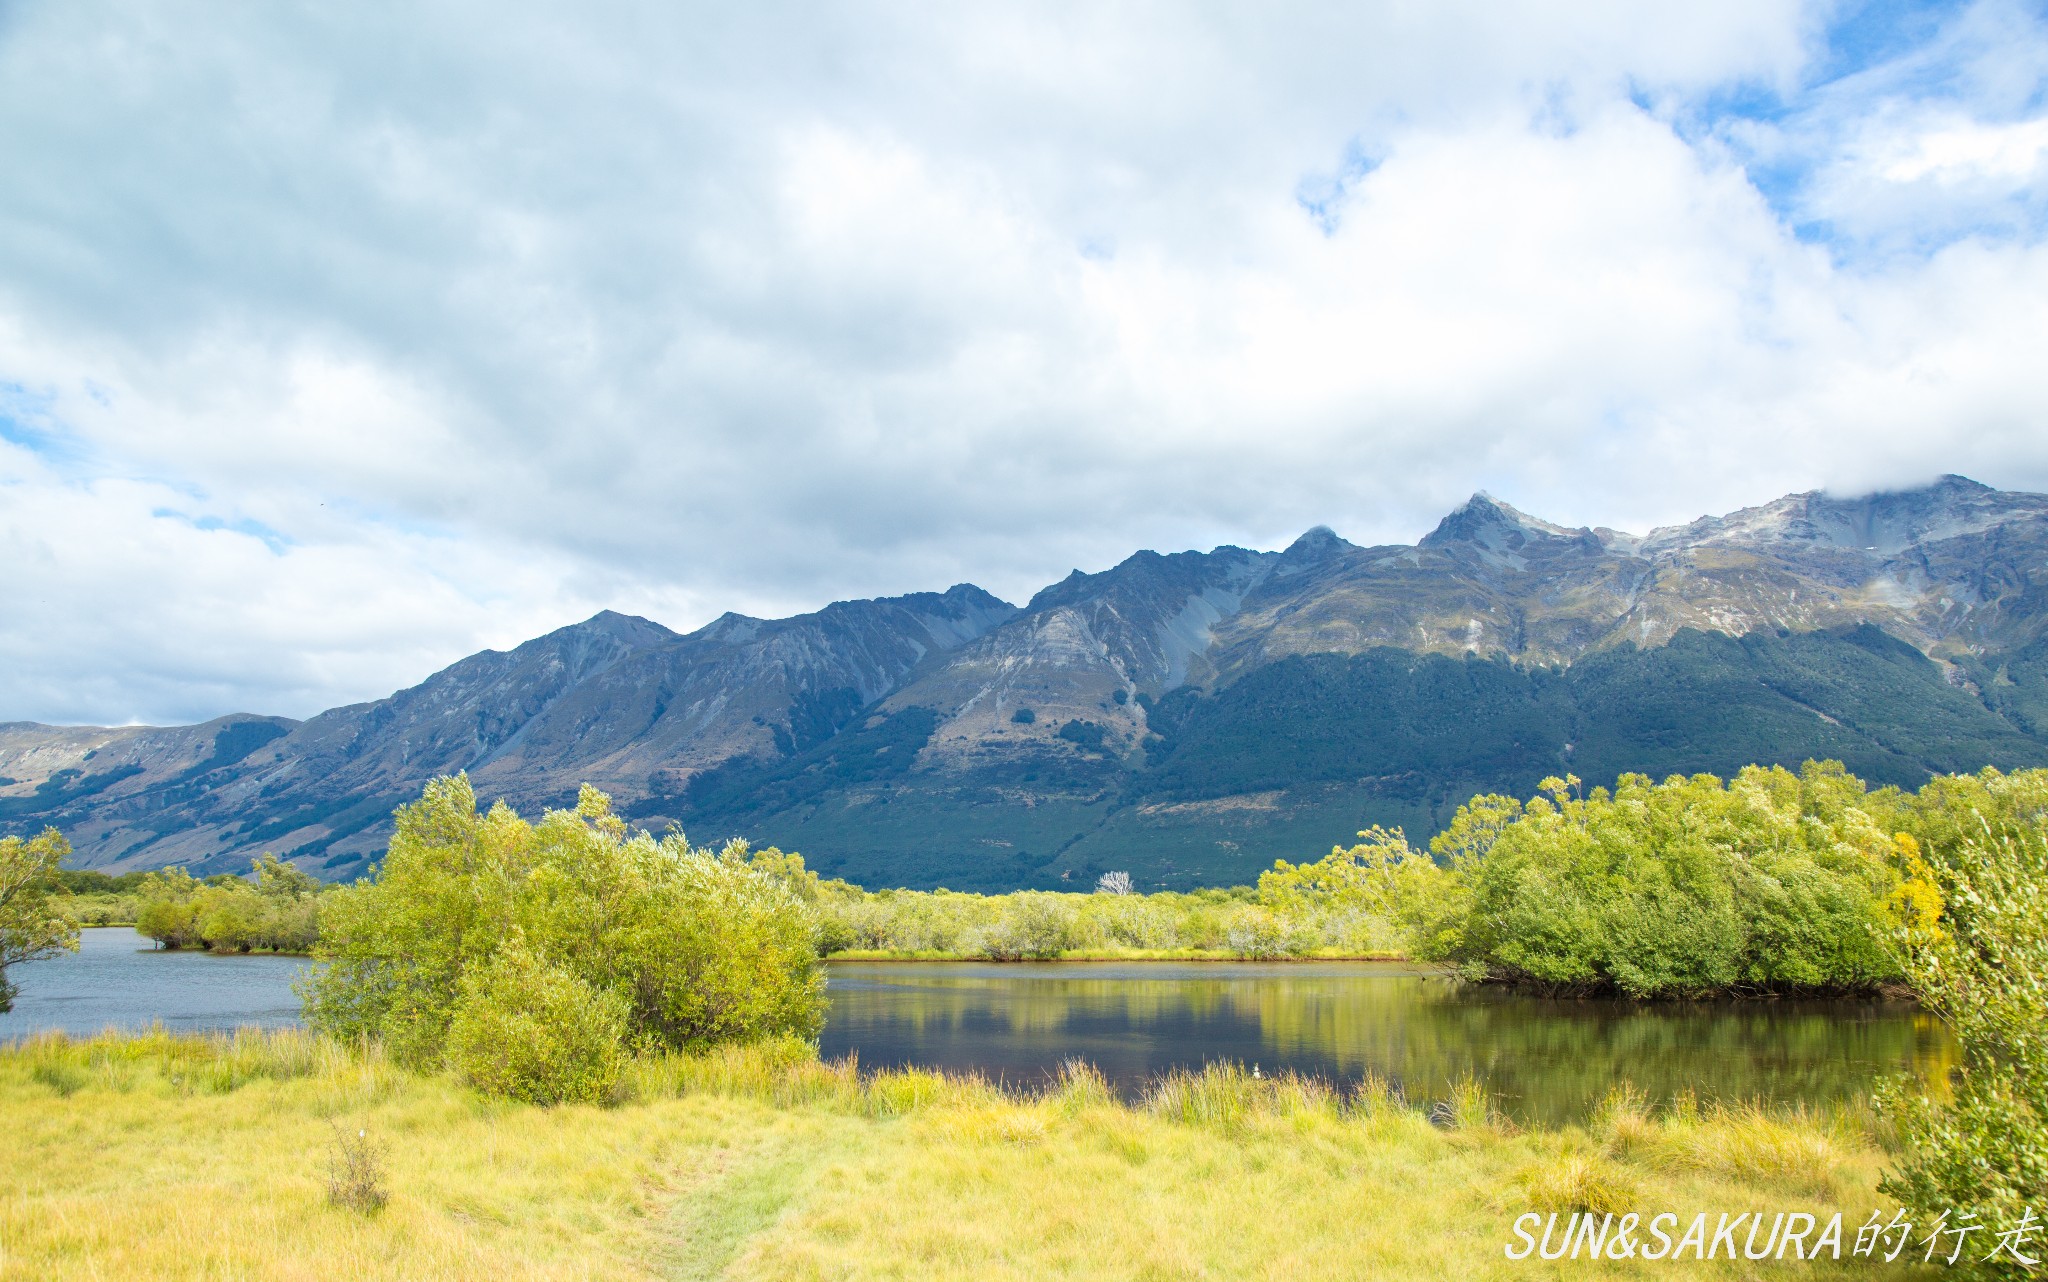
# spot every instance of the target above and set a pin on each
(1966, 150)
(453, 324)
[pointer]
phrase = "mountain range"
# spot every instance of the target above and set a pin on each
(1187, 717)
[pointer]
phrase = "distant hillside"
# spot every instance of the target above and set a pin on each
(1188, 717)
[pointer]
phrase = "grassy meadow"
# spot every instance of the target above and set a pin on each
(212, 1157)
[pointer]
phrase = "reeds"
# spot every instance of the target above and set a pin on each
(1577, 1183)
(1230, 1096)
(786, 1073)
(1796, 1147)
(213, 1063)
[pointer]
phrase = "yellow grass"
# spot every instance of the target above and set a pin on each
(165, 1157)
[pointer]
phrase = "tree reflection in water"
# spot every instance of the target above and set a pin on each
(1546, 1060)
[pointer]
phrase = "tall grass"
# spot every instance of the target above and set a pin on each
(213, 1063)
(1787, 1147)
(1227, 1095)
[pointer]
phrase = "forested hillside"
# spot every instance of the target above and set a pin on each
(1187, 717)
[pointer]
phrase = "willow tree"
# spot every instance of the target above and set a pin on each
(480, 930)
(31, 924)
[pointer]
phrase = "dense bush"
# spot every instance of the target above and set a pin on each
(1983, 965)
(278, 912)
(1037, 927)
(534, 1031)
(1772, 882)
(693, 947)
(101, 910)
(100, 899)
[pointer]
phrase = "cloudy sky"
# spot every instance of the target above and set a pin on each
(340, 340)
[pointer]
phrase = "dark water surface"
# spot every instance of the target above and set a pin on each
(1545, 1060)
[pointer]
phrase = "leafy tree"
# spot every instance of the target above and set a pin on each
(1381, 874)
(170, 910)
(1089, 736)
(1380, 894)
(276, 879)
(694, 947)
(32, 923)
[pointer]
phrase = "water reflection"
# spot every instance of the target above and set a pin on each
(1546, 1060)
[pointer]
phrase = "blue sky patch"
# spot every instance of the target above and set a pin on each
(273, 539)
(27, 421)
(1322, 196)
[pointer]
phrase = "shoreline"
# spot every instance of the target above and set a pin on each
(1882, 994)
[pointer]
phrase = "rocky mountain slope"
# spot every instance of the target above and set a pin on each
(1188, 716)
(614, 700)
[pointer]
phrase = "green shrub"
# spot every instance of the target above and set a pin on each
(1257, 935)
(1772, 882)
(536, 1032)
(1035, 927)
(697, 947)
(1983, 965)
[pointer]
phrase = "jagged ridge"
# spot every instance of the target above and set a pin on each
(1033, 730)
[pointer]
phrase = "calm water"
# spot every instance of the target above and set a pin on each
(1547, 1060)
(117, 978)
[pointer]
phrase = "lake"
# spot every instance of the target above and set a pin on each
(1546, 1060)
(118, 978)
